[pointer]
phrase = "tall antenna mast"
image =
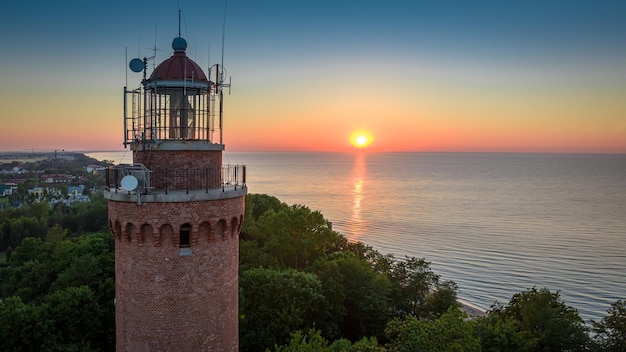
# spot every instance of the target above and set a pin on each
(179, 12)
(223, 31)
(154, 50)
(126, 60)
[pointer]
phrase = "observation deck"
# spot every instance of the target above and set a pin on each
(171, 184)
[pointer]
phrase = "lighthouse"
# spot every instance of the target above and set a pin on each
(176, 213)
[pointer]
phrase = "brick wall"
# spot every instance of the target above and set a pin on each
(173, 299)
(178, 159)
(186, 169)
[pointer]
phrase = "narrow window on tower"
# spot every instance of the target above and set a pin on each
(185, 236)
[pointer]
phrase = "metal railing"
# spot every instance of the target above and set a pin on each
(171, 179)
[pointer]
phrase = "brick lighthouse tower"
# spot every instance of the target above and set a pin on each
(176, 213)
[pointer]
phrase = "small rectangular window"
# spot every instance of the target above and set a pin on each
(185, 236)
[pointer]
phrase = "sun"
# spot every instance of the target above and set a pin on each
(361, 139)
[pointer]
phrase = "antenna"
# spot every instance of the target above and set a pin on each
(223, 34)
(179, 12)
(137, 65)
(126, 71)
(154, 50)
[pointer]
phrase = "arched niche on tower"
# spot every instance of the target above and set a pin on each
(204, 232)
(117, 230)
(233, 227)
(220, 230)
(129, 231)
(147, 234)
(165, 234)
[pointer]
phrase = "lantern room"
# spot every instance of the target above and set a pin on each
(177, 102)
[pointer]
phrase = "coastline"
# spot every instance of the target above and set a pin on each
(472, 310)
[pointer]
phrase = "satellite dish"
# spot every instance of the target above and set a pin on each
(136, 65)
(129, 183)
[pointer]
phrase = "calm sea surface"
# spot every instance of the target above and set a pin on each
(496, 224)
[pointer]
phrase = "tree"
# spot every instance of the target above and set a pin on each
(365, 345)
(59, 294)
(40, 267)
(312, 341)
(70, 319)
(611, 330)
(539, 317)
(66, 320)
(26, 276)
(8, 253)
(418, 290)
(497, 334)
(441, 298)
(16, 326)
(272, 304)
(251, 256)
(295, 235)
(450, 332)
(82, 217)
(259, 204)
(30, 249)
(23, 227)
(357, 297)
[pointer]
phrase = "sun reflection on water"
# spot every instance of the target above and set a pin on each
(359, 177)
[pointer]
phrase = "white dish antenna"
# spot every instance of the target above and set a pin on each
(129, 183)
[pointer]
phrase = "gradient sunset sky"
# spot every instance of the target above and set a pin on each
(522, 76)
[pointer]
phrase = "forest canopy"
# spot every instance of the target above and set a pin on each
(302, 286)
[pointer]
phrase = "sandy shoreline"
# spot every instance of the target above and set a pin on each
(472, 310)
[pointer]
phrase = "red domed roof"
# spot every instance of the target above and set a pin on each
(177, 67)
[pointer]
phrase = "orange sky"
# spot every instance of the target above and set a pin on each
(418, 77)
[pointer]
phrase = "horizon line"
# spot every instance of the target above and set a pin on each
(362, 151)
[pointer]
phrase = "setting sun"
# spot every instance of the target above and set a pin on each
(361, 139)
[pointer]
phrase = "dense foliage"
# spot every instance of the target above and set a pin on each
(58, 294)
(35, 219)
(448, 332)
(534, 320)
(29, 214)
(611, 330)
(303, 287)
(299, 274)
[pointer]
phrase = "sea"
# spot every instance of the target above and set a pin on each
(494, 223)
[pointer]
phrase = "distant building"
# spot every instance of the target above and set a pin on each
(56, 178)
(14, 171)
(7, 189)
(75, 190)
(92, 169)
(36, 191)
(78, 199)
(71, 199)
(47, 191)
